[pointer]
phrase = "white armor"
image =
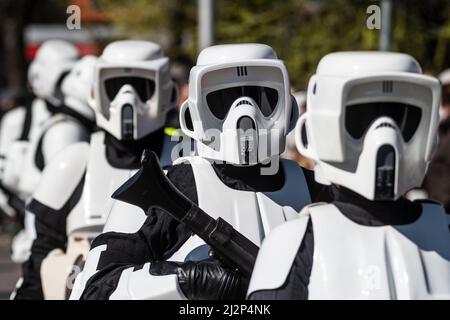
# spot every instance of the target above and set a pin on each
(342, 103)
(53, 60)
(57, 133)
(369, 262)
(352, 260)
(49, 138)
(61, 129)
(10, 131)
(222, 86)
(87, 219)
(254, 214)
(86, 166)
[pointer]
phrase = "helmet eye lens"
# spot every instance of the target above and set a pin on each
(359, 117)
(144, 87)
(220, 101)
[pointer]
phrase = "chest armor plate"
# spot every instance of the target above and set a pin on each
(254, 214)
(96, 207)
(100, 182)
(353, 261)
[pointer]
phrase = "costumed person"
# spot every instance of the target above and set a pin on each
(239, 104)
(437, 183)
(131, 93)
(12, 129)
(30, 135)
(53, 60)
(370, 128)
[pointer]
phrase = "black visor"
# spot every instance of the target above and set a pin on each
(220, 101)
(359, 117)
(144, 87)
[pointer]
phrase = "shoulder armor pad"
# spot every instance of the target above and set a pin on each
(14, 116)
(62, 175)
(277, 254)
(11, 125)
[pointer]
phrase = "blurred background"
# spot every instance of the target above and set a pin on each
(301, 32)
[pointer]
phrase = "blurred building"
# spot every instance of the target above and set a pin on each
(94, 30)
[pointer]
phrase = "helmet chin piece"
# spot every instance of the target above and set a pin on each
(247, 140)
(376, 175)
(240, 132)
(245, 137)
(127, 122)
(380, 144)
(123, 110)
(385, 173)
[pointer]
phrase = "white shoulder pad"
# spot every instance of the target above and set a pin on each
(277, 254)
(62, 175)
(61, 134)
(141, 285)
(14, 117)
(11, 126)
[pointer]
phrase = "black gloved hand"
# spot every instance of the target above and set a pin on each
(210, 280)
(204, 280)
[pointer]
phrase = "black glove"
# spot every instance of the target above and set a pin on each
(204, 280)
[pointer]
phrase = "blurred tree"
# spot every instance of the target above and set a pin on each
(12, 22)
(14, 16)
(301, 31)
(422, 30)
(170, 23)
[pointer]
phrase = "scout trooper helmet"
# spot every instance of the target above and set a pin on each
(53, 61)
(132, 90)
(76, 86)
(371, 122)
(239, 105)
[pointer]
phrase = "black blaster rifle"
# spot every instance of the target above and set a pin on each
(150, 187)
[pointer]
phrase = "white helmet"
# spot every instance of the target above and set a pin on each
(53, 61)
(239, 103)
(77, 86)
(371, 122)
(132, 90)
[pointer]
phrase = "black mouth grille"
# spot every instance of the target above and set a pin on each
(244, 102)
(385, 125)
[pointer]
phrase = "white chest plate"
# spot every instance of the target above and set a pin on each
(101, 180)
(352, 261)
(253, 214)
